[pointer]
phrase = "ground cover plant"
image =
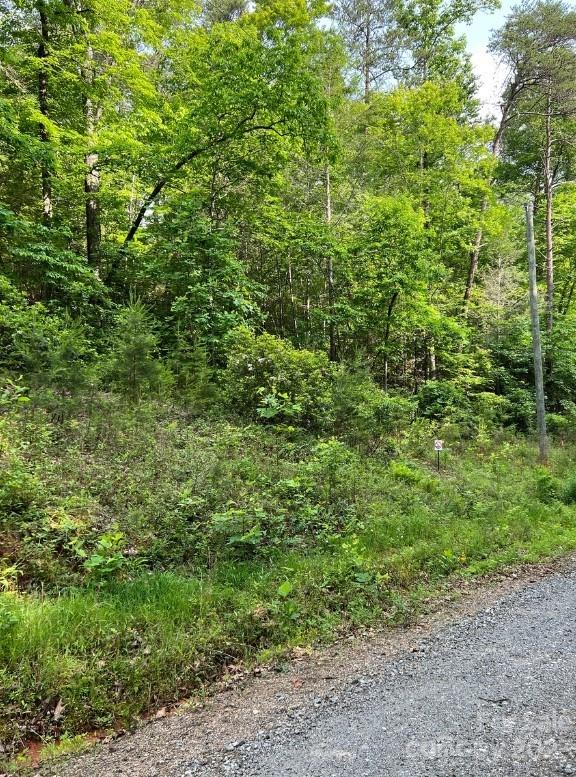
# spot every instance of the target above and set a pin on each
(144, 551)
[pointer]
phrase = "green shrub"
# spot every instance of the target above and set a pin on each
(365, 414)
(333, 473)
(440, 399)
(558, 424)
(569, 491)
(521, 412)
(18, 490)
(268, 379)
(133, 367)
(489, 407)
(53, 351)
(107, 558)
(194, 379)
(548, 487)
(406, 472)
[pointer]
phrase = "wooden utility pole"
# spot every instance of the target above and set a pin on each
(536, 343)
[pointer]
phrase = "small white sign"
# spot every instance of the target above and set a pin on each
(438, 445)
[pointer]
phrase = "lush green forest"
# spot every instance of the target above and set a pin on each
(254, 259)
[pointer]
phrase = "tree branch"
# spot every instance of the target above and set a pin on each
(240, 130)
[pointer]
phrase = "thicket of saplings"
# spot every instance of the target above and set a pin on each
(162, 519)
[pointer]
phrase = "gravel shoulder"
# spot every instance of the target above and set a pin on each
(484, 683)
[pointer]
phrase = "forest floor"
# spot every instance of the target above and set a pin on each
(483, 681)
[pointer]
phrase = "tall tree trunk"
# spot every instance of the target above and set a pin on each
(537, 348)
(563, 304)
(391, 304)
(366, 57)
(415, 367)
(295, 327)
(93, 220)
(548, 186)
(280, 295)
(45, 172)
(432, 355)
(92, 175)
(474, 259)
(569, 296)
(332, 348)
(307, 311)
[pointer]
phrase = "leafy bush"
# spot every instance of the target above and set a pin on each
(548, 487)
(521, 411)
(270, 380)
(198, 280)
(39, 258)
(569, 491)
(19, 490)
(440, 399)
(194, 378)
(363, 413)
(491, 408)
(558, 424)
(333, 469)
(53, 351)
(406, 472)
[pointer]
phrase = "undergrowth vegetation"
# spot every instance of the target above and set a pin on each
(145, 549)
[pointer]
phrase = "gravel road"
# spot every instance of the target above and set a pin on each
(483, 682)
(493, 694)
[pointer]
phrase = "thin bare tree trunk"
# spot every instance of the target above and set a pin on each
(569, 297)
(566, 296)
(45, 172)
(536, 344)
(432, 360)
(307, 309)
(93, 221)
(332, 348)
(474, 259)
(415, 370)
(548, 184)
(92, 174)
(293, 302)
(389, 312)
(366, 63)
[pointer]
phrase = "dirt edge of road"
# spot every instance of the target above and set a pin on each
(250, 701)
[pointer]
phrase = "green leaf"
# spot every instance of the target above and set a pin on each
(285, 589)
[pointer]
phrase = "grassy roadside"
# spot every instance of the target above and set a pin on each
(315, 539)
(419, 601)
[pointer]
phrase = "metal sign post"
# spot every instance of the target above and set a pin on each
(438, 446)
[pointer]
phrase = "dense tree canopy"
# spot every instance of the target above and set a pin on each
(320, 173)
